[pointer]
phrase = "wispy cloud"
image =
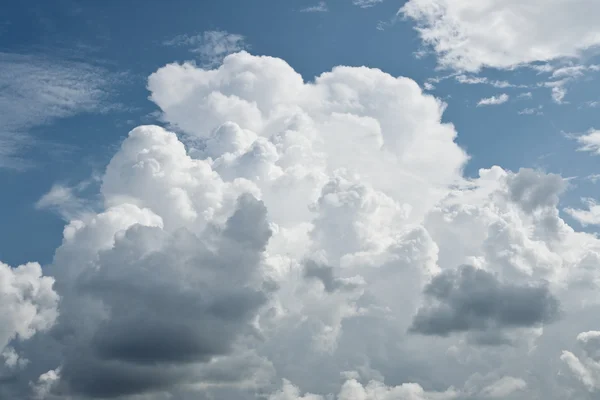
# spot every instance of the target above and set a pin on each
(493, 101)
(366, 3)
(37, 90)
(321, 7)
(210, 46)
(563, 76)
(481, 80)
(532, 111)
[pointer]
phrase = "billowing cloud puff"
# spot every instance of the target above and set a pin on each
(28, 304)
(499, 34)
(297, 232)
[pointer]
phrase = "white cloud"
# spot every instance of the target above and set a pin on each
(321, 7)
(38, 90)
(210, 46)
(525, 95)
(591, 216)
(28, 305)
(590, 141)
(366, 3)
(532, 111)
(587, 367)
(500, 34)
(298, 235)
(494, 100)
(475, 80)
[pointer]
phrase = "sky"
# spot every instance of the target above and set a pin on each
(299, 200)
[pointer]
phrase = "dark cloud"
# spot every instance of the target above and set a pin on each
(469, 299)
(532, 189)
(324, 274)
(188, 299)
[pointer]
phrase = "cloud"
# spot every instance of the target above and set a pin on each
(469, 299)
(321, 7)
(494, 100)
(29, 305)
(38, 90)
(366, 3)
(587, 367)
(591, 216)
(532, 111)
(590, 141)
(294, 231)
(475, 80)
(462, 38)
(210, 46)
(352, 389)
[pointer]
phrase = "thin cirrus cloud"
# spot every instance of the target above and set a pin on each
(37, 90)
(366, 3)
(213, 46)
(320, 7)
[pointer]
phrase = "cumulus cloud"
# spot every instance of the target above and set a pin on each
(521, 33)
(38, 90)
(493, 101)
(29, 305)
(294, 231)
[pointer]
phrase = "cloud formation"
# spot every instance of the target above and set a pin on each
(521, 33)
(493, 101)
(286, 241)
(37, 90)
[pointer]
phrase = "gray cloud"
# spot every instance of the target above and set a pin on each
(532, 189)
(325, 275)
(469, 299)
(188, 300)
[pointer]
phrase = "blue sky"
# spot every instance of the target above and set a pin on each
(360, 215)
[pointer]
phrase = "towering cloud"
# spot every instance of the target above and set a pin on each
(300, 240)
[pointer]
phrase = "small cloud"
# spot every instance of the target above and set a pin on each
(591, 216)
(67, 201)
(526, 95)
(366, 3)
(470, 80)
(589, 141)
(558, 93)
(480, 80)
(532, 111)
(493, 101)
(593, 178)
(428, 86)
(321, 7)
(211, 46)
